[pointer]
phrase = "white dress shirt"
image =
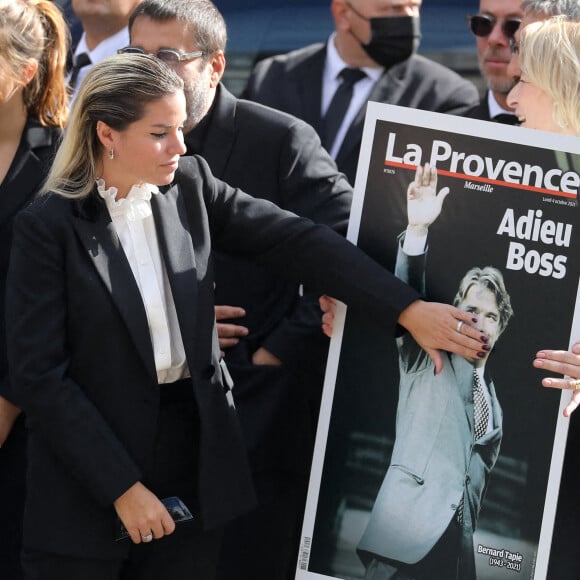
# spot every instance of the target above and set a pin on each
(494, 107)
(133, 221)
(331, 81)
(105, 48)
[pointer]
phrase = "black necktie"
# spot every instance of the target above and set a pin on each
(339, 104)
(80, 61)
(506, 119)
(480, 408)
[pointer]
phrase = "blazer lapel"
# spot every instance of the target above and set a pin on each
(177, 248)
(25, 177)
(464, 378)
(220, 136)
(100, 239)
(308, 79)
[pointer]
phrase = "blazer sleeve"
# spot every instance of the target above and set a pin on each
(310, 185)
(56, 407)
(295, 248)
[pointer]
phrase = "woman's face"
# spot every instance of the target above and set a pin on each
(532, 106)
(149, 149)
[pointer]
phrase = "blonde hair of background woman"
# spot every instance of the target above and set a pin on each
(35, 31)
(550, 59)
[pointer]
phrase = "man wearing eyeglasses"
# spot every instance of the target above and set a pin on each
(271, 337)
(493, 27)
(378, 38)
(104, 31)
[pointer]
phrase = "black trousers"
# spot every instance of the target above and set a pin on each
(190, 553)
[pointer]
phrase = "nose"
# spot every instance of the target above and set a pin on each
(497, 35)
(178, 144)
(512, 98)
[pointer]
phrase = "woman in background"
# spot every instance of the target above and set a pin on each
(33, 109)
(547, 97)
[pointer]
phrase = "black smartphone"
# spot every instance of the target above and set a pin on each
(176, 508)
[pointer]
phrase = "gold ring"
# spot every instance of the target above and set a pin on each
(460, 325)
(577, 384)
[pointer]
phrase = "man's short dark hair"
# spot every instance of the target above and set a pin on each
(202, 17)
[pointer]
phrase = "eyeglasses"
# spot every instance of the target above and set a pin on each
(167, 55)
(482, 25)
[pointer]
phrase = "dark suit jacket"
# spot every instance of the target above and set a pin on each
(293, 83)
(81, 355)
(276, 157)
(23, 180)
(480, 111)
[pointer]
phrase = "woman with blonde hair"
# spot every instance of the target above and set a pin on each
(547, 97)
(114, 351)
(33, 110)
(547, 94)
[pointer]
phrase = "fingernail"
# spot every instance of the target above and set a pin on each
(486, 347)
(480, 354)
(434, 372)
(474, 320)
(484, 339)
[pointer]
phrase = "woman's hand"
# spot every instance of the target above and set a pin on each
(8, 415)
(565, 362)
(143, 514)
(328, 307)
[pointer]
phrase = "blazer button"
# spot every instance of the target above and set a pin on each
(208, 372)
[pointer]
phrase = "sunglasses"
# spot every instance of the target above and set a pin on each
(167, 55)
(482, 25)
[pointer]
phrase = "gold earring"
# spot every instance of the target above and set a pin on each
(111, 154)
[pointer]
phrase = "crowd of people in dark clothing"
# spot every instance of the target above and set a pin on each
(164, 248)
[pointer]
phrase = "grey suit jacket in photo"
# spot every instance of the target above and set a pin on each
(435, 462)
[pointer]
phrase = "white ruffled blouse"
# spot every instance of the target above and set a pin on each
(133, 221)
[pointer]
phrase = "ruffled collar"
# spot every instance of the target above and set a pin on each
(135, 206)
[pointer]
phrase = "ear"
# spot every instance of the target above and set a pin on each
(218, 66)
(339, 10)
(106, 135)
(29, 72)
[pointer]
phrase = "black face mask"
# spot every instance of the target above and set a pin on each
(393, 39)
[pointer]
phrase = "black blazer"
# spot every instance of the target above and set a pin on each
(293, 83)
(82, 361)
(23, 180)
(480, 111)
(276, 157)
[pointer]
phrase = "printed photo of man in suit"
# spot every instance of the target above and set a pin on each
(449, 426)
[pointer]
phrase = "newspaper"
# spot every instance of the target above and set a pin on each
(512, 206)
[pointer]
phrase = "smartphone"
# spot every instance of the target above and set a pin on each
(176, 508)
